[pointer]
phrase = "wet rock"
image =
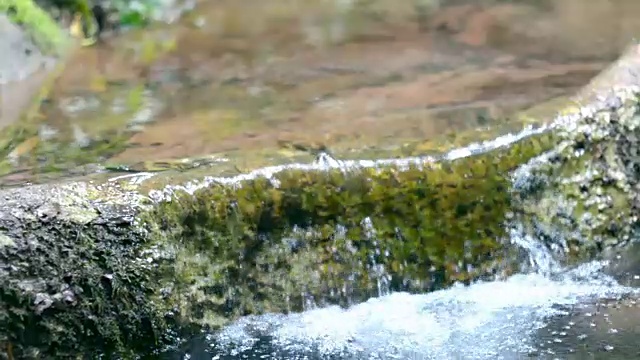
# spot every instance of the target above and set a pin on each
(100, 257)
(25, 57)
(70, 272)
(589, 200)
(96, 273)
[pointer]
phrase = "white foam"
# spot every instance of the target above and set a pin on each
(483, 321)
(566, 121)
(491, 320)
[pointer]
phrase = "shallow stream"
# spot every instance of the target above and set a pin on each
(228, 93)
(565, 314)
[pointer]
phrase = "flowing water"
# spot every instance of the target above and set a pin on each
(355, 82)
(546, 312)
(496, 320)
(368, 79)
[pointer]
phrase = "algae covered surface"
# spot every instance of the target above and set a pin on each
(334, 236)
(99, 268)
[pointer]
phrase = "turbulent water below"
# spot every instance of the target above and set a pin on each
(551, 313)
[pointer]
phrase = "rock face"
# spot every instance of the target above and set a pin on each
(25, 57)
(586, 189)
(72, 278)
(584, 193)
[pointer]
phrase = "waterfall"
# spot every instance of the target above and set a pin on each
(545, 310)
(532, 313)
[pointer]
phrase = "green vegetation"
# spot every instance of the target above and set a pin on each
(95, 270)
(123, 276)
(46, 34)
(135, 16)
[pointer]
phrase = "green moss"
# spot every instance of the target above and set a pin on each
(260, 247)
(46, 34)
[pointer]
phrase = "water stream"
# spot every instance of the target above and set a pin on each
(547, 312)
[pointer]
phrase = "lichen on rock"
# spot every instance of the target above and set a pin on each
(584, 193)
(73, 281)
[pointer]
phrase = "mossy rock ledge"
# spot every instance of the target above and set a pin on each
(89, 269)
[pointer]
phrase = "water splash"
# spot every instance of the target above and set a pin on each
(489, 320)
(506, 319)
(326, 162)
(540, 259)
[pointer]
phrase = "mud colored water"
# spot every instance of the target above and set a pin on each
(256, 82)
